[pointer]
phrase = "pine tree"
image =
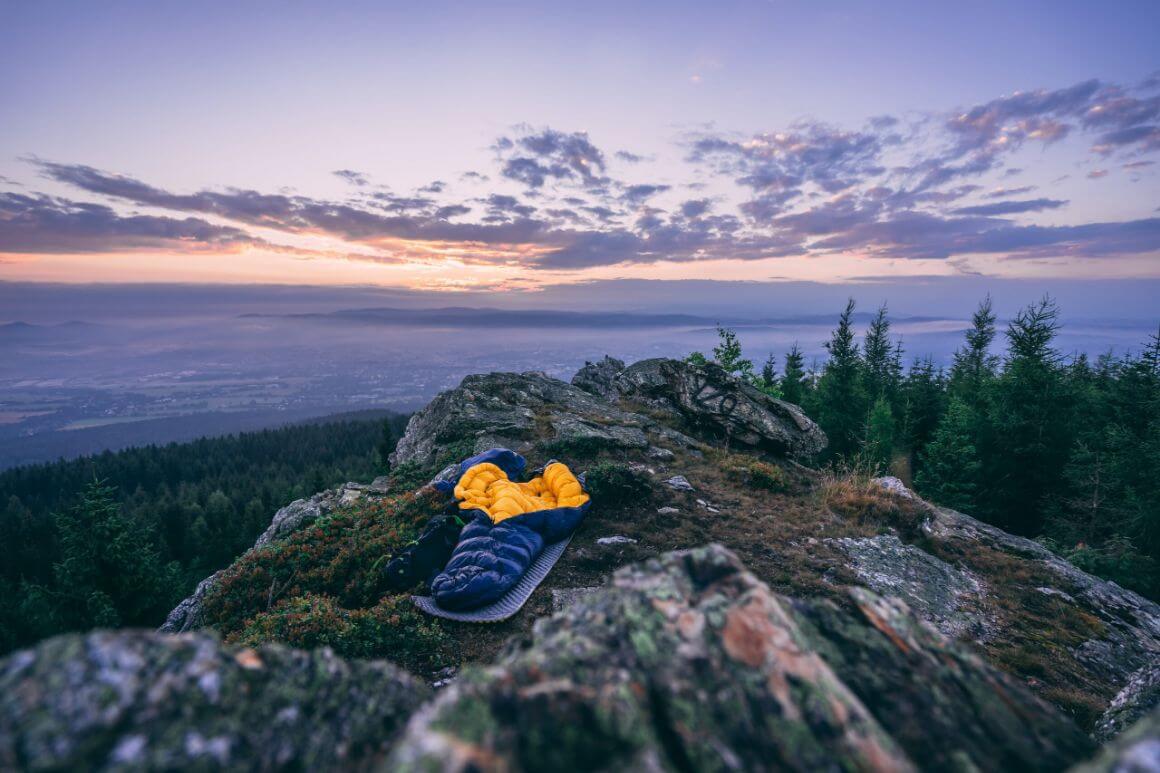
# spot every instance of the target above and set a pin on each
(878, 357)
(841, 396)
(769, 371)
(878, 448)
(727, 354)
(974, 366)
(109, 574)
(1030, 426)
(950, 468)
(793, 377)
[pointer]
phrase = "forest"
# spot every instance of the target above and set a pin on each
(1039, 442)
(116, 539)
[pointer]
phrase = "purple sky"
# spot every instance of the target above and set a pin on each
(484, 147)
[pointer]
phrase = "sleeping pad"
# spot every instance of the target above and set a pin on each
(510, 523)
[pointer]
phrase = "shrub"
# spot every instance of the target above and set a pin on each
(393, 629)
(338, 556)
(760, 475)
(615, 485)
(857, 498)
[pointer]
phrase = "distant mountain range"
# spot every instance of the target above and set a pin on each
(546, 318)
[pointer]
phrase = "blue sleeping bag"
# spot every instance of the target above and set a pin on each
(492, 557)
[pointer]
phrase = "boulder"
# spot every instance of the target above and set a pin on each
(1136, 750)
(688, 662)
(945, 596)
(1140, 696)
(597, 377)
(517, 410)
(138, 700)
(720, 406)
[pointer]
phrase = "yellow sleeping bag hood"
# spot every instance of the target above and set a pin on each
(486, 487)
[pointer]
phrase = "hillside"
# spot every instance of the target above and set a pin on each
(831, 621)
(194, 505)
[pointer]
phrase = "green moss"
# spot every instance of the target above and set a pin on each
(393, 628)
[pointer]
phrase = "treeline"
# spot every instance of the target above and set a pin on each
(118, 538)
(1053, 447)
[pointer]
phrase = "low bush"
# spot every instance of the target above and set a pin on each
(760, 475)
(615, 485)
(857, 498)
(393, 629)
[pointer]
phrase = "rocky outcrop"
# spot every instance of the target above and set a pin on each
(597, 377)
(1126, 646)
(939, 593)
(515, 410)
(688, 662)
(187, 615)
(719, 405)
(1140, 696)
(136, 700)
(1137, 750)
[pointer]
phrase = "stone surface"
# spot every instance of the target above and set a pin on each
(616, 539)
(1137, 750)
(721, 406)
(596, 377)
(515, 410)
(679, 483)
(937, 592)
(688, 662)
(138, 700)
(1130, 624)
(1140, 696)
(562, 598)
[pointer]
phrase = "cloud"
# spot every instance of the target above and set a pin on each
(47, 224)
(695, 207)
(532, 158)
(352, 177)
(1010, 207)
(636, 194)
(629, 157)
(999, 193)
(1096, 174)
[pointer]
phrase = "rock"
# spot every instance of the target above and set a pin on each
(661, 454)
(1129, 632)
(1137, 750)
(667, 510)
(679, 483)
(1140, 695)
(303, 512)
(937, 592)
(132, 699)
(297, 515)
(516, 410)
(615, 539)
(936, 698)
(894, 486)
(688, 662)
(596, 377)
(562, 598)
(721, 406)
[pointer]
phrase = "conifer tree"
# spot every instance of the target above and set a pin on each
(878, 357)
(109, 574)
(950, 470)
(1029, 423)
(974, 366)
(793, 377)
(841, 396)
(878, 447)
(727, 354)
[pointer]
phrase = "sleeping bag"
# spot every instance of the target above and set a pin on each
(510, 525)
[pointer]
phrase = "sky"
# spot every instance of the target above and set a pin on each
(515, 149)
